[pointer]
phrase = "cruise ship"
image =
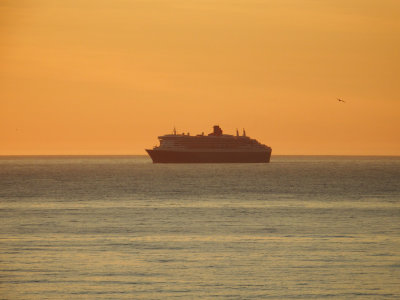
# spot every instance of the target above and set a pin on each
(215, 147)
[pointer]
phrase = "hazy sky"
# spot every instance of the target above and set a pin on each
(109, 76)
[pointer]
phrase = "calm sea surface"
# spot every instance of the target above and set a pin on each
(124, 228)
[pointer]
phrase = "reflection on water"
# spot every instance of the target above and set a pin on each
(121, 227)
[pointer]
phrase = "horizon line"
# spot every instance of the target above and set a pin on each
(145, 155)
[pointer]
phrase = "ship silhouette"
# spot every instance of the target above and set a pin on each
(215, 147)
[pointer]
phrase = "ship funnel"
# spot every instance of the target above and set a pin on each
(237, 132)
(217, 130)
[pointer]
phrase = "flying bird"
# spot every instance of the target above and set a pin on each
(340, 100)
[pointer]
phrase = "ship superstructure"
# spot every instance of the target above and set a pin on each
(215, 147)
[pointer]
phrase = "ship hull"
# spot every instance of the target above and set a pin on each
(168, 156)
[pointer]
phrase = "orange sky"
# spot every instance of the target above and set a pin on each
(109, 76)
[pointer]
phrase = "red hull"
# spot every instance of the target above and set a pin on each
(166, 156)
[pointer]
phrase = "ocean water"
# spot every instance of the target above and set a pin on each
(124, 228)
